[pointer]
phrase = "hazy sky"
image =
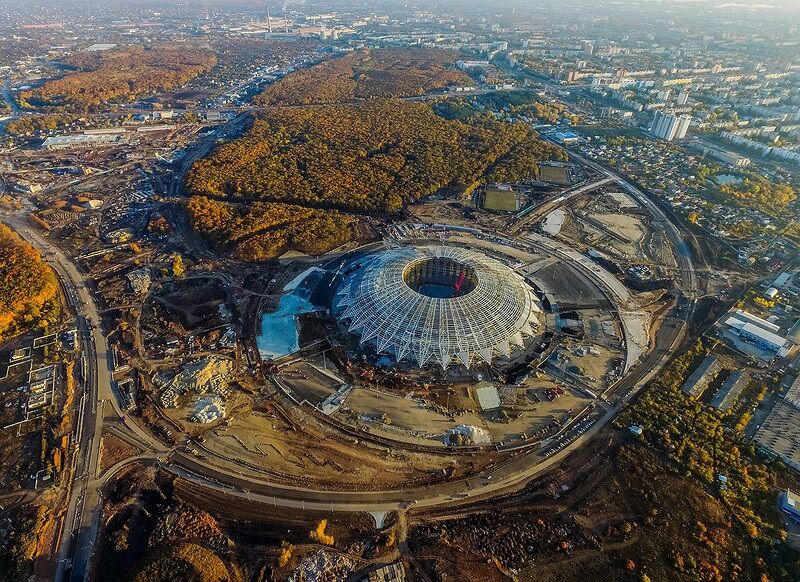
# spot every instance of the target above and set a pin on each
(764, 8)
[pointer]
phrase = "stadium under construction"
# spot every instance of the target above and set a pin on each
(439, 304)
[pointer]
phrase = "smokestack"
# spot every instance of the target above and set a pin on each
(269, 21)
(285, 22)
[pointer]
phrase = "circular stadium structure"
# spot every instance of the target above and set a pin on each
(437, 304)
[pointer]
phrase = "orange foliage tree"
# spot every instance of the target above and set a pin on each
(28, 287)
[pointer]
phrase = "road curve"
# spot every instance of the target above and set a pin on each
(83, 511)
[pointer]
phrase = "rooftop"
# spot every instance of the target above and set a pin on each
(438, 303)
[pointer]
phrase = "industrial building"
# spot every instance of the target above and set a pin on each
(720, 154)
(761, 338)
(792, 395)
(758, 332)
(790, 504)
(437, 303)
(779, 435)
(389, 573)
(62, 142)
(781, 280)
(701, 377)
(730, 390)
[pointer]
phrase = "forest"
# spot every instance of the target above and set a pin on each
(367, 74)
(518, 103)
(367, 159)
(307, 170)
(264, 230)
(28, 287)
(119, 75)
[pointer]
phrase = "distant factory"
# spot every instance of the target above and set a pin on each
(63, 142)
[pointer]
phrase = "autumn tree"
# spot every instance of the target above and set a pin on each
(178, 266)
(286, 554)
(368, 74)
(28, 287)
(318, 534)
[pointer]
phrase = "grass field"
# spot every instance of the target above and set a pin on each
(500, 201)
(555, 174)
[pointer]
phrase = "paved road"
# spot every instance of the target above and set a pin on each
(510, 474)
(81, 521)
(83, 511)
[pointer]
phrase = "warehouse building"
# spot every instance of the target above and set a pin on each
(696, 384)
(790, 504)
(759, 332)
(63, 142)
(730, 391)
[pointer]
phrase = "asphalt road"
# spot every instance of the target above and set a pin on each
(539, 211)
(82, 516)
(83, 512)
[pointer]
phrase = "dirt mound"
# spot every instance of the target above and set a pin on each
(187, 562)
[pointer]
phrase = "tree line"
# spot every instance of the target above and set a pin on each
(119, 75)
(28, 287)
(757, 192)
(31, 124)
(367, 74)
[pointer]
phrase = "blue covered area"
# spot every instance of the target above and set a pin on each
(279, 329)
(279, 333)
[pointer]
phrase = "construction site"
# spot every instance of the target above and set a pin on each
(435, 362)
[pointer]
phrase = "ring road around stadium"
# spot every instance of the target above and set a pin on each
(436, 308)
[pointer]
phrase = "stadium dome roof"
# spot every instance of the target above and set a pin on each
(437, 303)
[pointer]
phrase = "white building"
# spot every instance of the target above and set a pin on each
(61, 142)
(684, 121)
(759, 332)
(668, 127)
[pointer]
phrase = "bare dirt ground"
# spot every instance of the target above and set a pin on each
(614, 510)
(113, 450)
(311, 453)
